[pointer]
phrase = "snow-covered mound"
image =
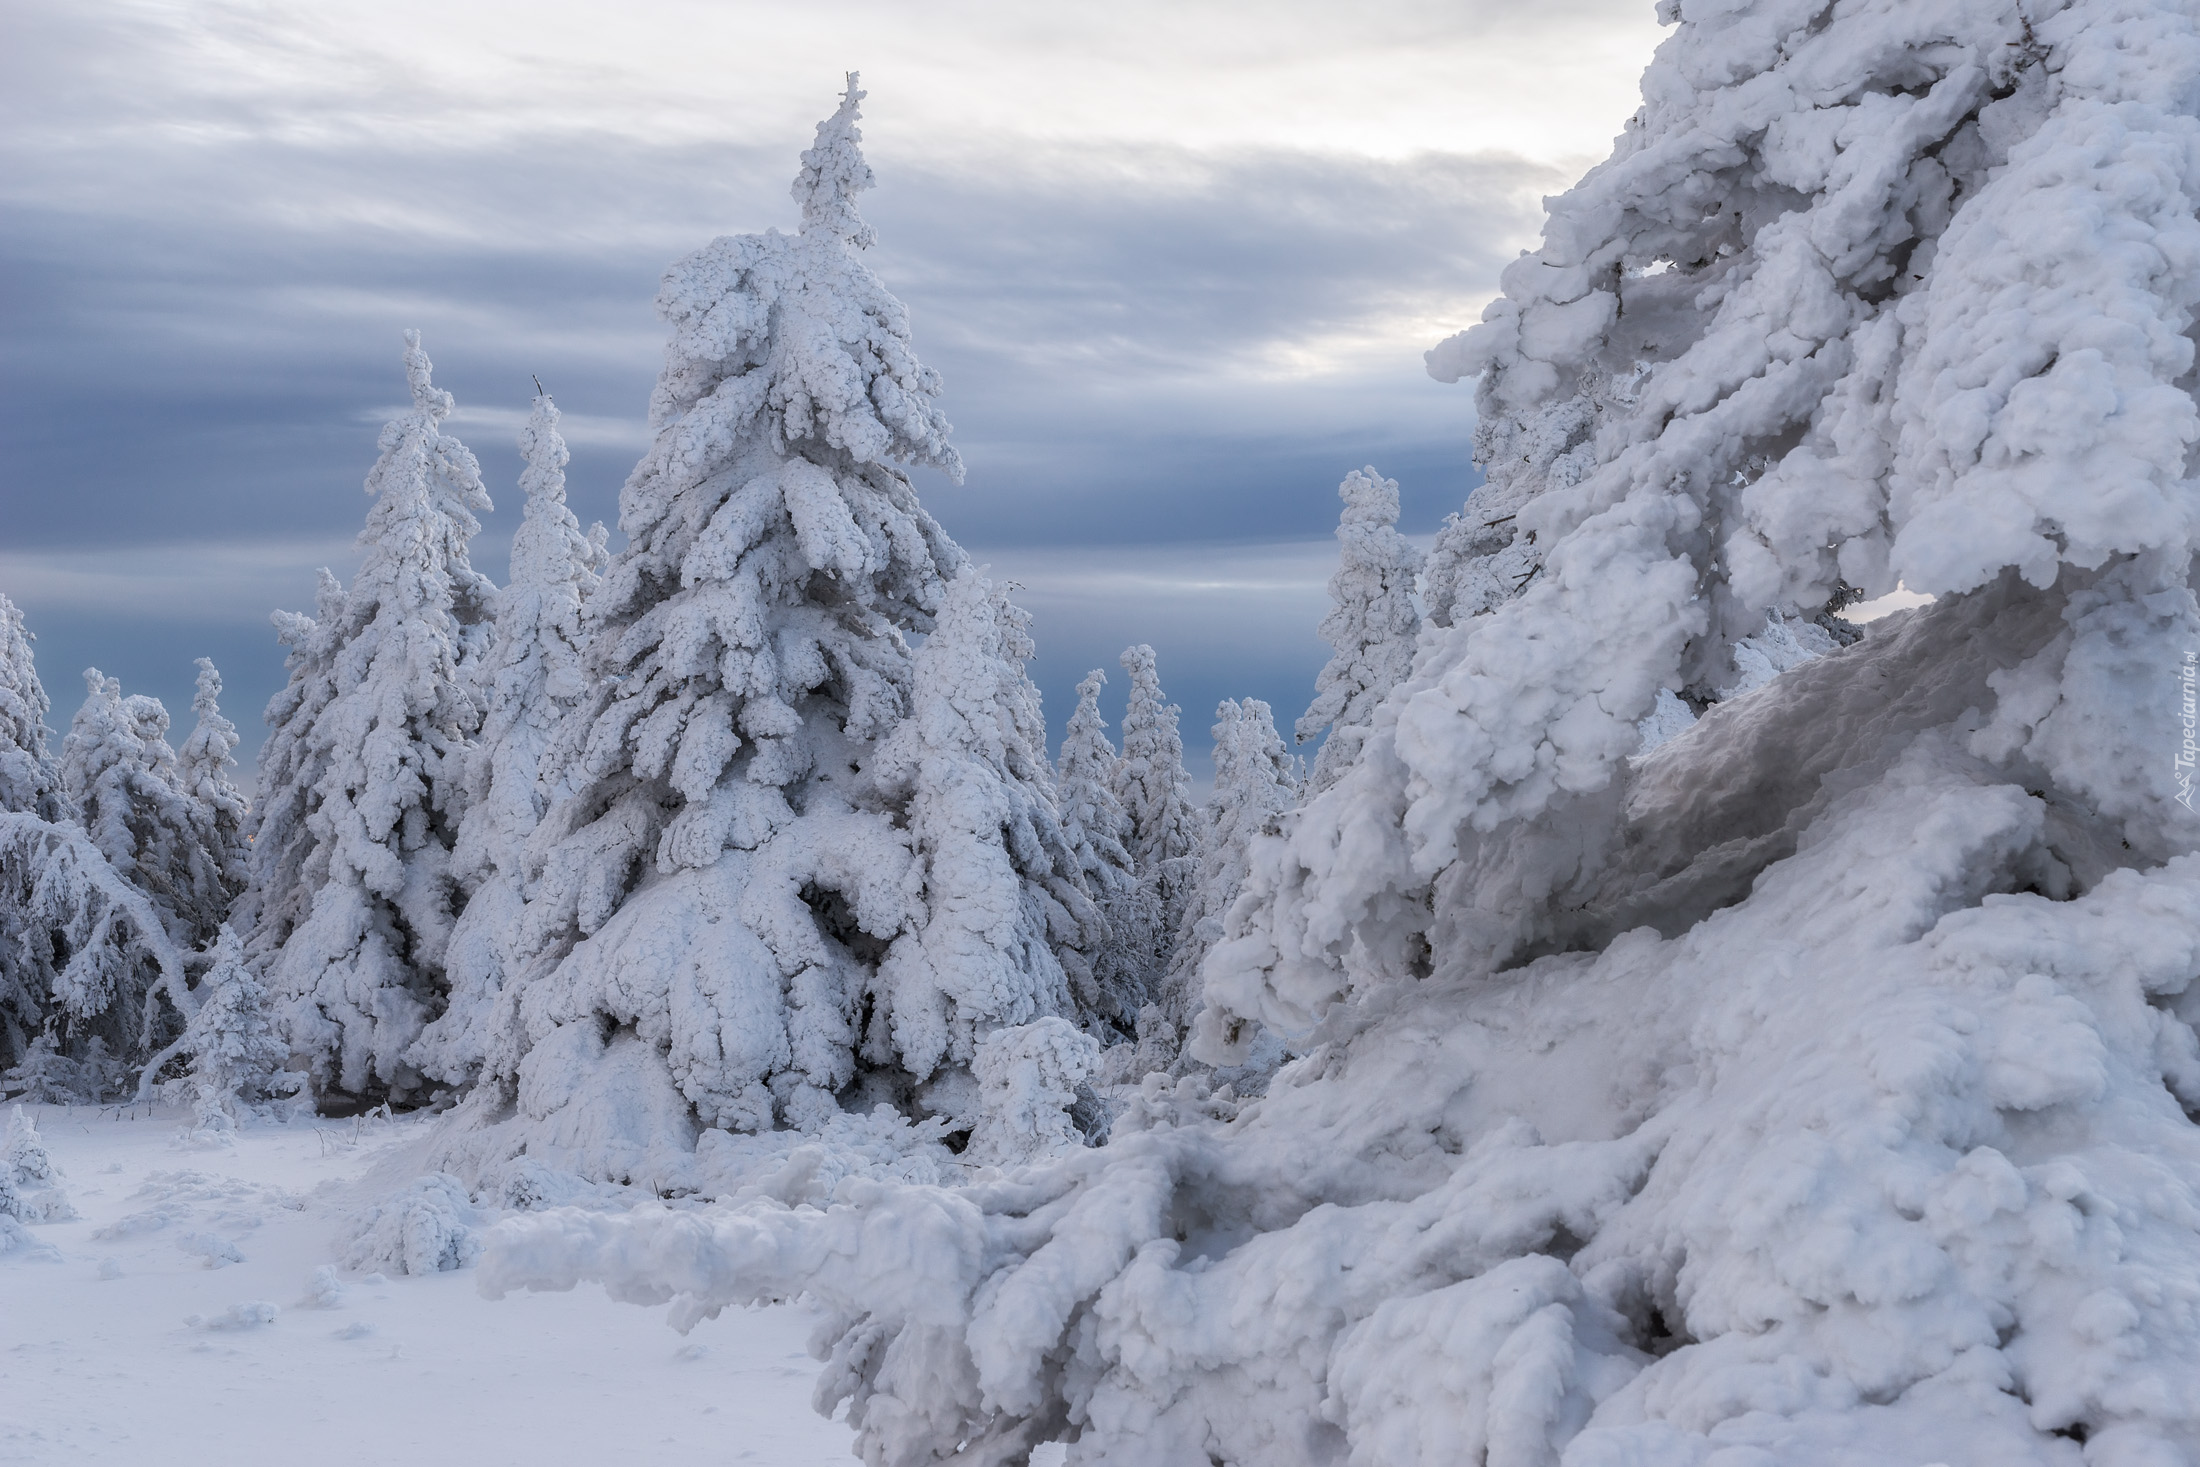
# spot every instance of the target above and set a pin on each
(1816, 1088)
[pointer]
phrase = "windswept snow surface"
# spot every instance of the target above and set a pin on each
(98, 1364)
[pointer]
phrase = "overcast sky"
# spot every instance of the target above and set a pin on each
(1177, 261)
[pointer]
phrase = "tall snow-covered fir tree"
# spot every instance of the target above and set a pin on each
(30, 781)
(1255, 784)
(1818, 1087)
(1155, 791)
(729, 883)
(1371, 625)
(1099, 830)
(203, 765)
(1008, 928)
(363, 775)
(534, 672)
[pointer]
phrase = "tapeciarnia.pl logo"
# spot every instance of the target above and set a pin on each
(2188, 719)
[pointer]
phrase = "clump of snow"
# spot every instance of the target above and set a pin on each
(237, 1316)
(524, 1184)
(795, 1167)
(428, 1227)
(213, 1249)
(325, 1290)
(19, 1244)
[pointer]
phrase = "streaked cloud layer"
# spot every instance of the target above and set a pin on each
(1177, 262)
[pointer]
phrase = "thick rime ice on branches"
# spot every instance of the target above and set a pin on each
(1371, 624)
(1843, 306)
(363, 777)
(1155, 792)
(533, 673)
(1817, 1087)
(1784, 642)
(786, 863)
(136, 801)
(1255, 784)
(30, 784)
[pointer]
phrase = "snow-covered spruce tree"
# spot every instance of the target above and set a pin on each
(237, 1059)
(132, 795)
(203, 766)
(365, 764)
(83, 951)
(1816, 1088)
(756, 897)
(30, 783)
(30, 787)
(532, 675)
(1255, 784)
(30, 1184)
(1155, 792)
(1007, 927)
(1099, 830)
(1371, 625)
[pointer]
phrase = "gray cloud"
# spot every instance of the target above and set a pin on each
(1147, 345)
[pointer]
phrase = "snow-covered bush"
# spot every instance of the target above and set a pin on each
(1818, 1087)
(808, 1167)
(30, 1188)
(787, 863)
(429, 1227)
(1371, 625)
(532, 675)
(362, 778)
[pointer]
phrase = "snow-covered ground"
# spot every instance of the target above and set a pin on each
(98, 1363)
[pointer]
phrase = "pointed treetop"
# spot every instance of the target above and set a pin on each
(427, 397)
(207, 700)
(833, 173)
(543, 449)
(1369, 498)
(28, 780)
